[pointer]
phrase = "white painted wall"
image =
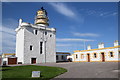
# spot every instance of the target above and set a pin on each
(20, 44)
(26, 37)
(99, 57)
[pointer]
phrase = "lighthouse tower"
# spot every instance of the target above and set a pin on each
(34, 41)
(42, 18)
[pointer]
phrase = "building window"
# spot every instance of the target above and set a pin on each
(62, 57)
(45, 33)
(50, 35)
(95, 55)
(119, 54)
(41, 44)
(76, 56)
(111, 54)
(36, 31)
(82, 56)
(31, 47)
(56, 57)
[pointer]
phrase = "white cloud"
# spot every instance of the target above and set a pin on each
(99, 12)
(8, 35)
(67, 45)
(85, 34)
(7, 30)
(72, 39)
(63, 45)
(63, 9)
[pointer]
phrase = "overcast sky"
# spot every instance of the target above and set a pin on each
(76, 22)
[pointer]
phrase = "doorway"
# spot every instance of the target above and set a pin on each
(33, 60)
(103, 57)
(12, 61)
(88, 57)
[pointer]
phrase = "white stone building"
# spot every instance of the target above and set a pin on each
(102, 54)
(36, 43)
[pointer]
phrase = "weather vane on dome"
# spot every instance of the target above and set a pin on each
(42, 8)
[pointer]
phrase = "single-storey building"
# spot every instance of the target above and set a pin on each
(62, 56)
(101, 54)
(8, 59)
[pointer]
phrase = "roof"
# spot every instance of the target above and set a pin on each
(8, 54)
(97, 49)
(62, 53)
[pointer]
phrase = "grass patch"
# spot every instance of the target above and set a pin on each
(24, 72)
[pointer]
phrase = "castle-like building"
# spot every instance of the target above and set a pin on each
(101, 54)
(36, 43)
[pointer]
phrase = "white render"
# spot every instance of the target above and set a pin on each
(25, 36)
(88, 47)
(101, 45)
(82, 55)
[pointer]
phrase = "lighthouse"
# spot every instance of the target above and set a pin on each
(34, 41)
(42, 18)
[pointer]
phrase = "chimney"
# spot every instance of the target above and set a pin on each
(88, 47)
(116, 43)
(20, 21)
(101, 45)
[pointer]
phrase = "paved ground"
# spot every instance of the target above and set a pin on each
(87, 69)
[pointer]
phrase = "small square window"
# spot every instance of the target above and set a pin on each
(45, 33)
(50, 35)
(111, 54)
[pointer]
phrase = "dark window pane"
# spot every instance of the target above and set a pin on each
(76, 56)
(36, 32)
(50, 35)
(95, 55)
(111, 54)
(41, 44)
(45, 33)
(57, 57)
(30, 47)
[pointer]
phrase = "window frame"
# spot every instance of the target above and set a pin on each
(41, 47)
(82, 56)
(57, 58)
(110, 54)
(50, 35)
(76, 56)
(45, 32)
(62, 57)
(31, 47)
(95, 55)
(35, 31)
(119, 54)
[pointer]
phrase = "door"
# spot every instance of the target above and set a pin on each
(88, 57)
(12, 61)
(33, 60)
(103, 57)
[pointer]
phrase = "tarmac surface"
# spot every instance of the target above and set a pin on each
(87, 69)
